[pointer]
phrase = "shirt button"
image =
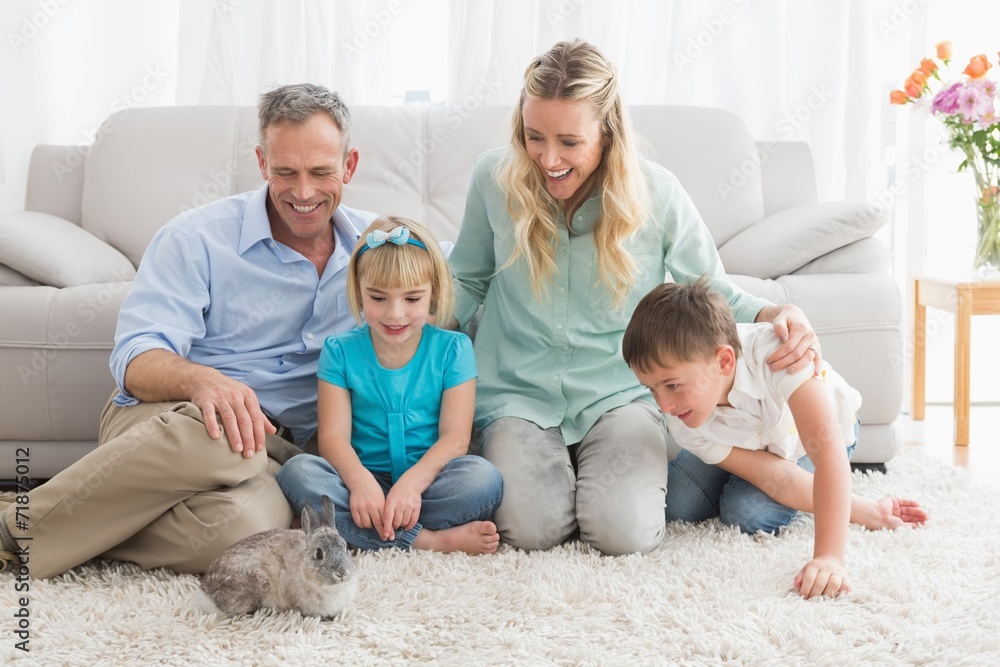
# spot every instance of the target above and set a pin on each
(579, 218)
(309, 336)
(555, 378)
(559, 326)
(562, 290)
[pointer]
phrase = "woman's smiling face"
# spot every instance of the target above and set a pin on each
(564, 140)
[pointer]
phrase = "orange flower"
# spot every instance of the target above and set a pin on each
(913, 89)
(943, 51)
(898, 97)
(990, 193)
(919, 77)
(928, 66)
(977, 67)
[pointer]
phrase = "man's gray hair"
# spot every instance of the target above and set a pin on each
(297, 103)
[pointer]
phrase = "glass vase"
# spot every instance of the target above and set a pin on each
(987, 258)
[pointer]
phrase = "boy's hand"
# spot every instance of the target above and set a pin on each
(822, 576)
(368, 504)
(402, 508)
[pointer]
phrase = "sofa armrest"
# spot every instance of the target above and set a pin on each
(864, 256)
(784, 242)
(55, 252)
(55, 181)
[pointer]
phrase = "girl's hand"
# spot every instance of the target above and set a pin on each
(368, 504)
(822, 576)
(402, 507)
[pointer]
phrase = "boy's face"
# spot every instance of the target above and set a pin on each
(691, 390)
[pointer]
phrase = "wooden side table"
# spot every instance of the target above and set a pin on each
(964, 298)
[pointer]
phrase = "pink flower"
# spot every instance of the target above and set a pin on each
(946, 101)
(972, 104)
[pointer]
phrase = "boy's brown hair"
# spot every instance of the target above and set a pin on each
(685, 321)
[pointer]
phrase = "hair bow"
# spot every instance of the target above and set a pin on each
(398, 236)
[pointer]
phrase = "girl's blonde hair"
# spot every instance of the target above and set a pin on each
(391, 266)
(576, 71)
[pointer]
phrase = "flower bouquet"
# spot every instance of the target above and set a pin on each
(970, 111)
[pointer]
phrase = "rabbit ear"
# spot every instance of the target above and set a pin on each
(329, 513)
(310, 520)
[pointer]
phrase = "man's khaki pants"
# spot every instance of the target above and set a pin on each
(158, 491)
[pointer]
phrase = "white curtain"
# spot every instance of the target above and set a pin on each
(791, 70)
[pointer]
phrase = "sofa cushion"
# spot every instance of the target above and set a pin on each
(784, 242)
(148, 165)
(715, 158)
(56, 252)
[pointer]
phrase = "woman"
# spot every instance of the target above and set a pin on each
(564, 231)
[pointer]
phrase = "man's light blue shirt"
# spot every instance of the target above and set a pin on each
(215, 288)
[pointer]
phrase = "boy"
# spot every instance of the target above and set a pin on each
(722, 403)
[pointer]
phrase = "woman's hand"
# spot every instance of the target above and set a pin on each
(799, 343)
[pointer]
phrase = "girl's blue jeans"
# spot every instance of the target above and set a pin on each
(468, 488)
(697, 491)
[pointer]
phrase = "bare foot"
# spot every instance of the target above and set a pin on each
(892, 513)
(475, 537)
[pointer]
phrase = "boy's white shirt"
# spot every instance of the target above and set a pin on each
(760, 417)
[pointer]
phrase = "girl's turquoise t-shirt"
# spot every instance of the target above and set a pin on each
(395, 412)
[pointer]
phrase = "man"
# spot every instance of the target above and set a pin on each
(206, 403)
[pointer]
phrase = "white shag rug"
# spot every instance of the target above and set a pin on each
(707, 596)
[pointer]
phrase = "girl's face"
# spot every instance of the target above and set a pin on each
(397, 316)
(564, 141)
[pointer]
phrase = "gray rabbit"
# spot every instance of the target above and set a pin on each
(308, 570)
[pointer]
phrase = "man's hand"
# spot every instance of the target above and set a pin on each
(799, 343)
(160, 375)
(221, 397)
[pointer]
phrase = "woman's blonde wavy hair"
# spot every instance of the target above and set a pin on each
(576, 71)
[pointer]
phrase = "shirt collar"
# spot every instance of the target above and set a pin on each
(257, 226)
(744, 385)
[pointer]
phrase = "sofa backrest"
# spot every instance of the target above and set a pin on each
(148, 165)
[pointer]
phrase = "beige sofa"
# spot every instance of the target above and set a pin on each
(66, 261)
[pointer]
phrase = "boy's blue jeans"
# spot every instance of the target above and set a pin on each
(697, 491)
(468, 488)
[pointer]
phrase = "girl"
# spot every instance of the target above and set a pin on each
(396, 400)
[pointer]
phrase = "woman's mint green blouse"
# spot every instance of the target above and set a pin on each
(558, 362)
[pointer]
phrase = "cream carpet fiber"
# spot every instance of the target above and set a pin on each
(707, 596)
